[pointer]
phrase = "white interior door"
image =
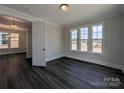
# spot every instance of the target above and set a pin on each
(38, 43)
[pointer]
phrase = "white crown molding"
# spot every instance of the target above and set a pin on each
(12, 12)
(53, 23)
(80, 23)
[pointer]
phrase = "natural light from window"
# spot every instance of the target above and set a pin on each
(84, 38)
(14, 40)
(97, 39)
(74, 39)
(9, 42)
(88, 38)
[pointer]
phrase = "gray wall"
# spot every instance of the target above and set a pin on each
(22, 44)
(113, 45)
(54, 41)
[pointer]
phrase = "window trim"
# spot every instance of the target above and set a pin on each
(70, 37)
(9, 45)
(103, 37)
(89, 38)
(15, 40)
(85, 26)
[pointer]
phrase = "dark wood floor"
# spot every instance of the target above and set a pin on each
(17, 72)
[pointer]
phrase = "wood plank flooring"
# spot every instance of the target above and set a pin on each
(16, 72)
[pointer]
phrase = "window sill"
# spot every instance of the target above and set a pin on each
(8, 48)
(87, 52)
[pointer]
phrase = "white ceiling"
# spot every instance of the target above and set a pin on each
(76, 14)
(6, 21)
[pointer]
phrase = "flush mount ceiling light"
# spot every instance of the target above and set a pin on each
(64, 7)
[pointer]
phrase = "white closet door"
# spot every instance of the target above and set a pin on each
(38, 43)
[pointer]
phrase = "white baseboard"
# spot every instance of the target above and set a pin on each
(88, 60)
(13, 52)
(97, 62)
(53, 57)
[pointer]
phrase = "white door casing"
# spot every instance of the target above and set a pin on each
(38, 34)
(38, 43)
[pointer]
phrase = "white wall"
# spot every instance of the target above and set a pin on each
(123, 44)
(54, 41)
(113, 45)
(22, 44)
(29, 42)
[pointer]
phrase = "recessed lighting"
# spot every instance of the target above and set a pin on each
(64, 7)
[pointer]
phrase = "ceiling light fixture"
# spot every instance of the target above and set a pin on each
(13, 26)
(64, 7)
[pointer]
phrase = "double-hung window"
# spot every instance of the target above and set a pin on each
(73, 37)
(4, 42)
(97, 38)
(84, 39)
(9, 42)
(87, 38)
(14, 40)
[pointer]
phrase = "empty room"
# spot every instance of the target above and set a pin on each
(62, 46)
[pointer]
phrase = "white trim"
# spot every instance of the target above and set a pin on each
(70, 40)
(97, 62)
(52, 23)
(103, 36)
(27, 44)
(53, 57)
(90, 21)
(90, 38)
(13, 52)
(12, 12)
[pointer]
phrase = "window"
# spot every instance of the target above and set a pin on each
(84, 39)
(9, 42)
(97, 39)
(4, 42)
(74, 39)
(14, 40)
(88, 38)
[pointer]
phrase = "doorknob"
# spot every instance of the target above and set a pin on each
(43, 49)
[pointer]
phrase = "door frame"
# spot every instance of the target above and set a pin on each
(38, 43)
(12, 12)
